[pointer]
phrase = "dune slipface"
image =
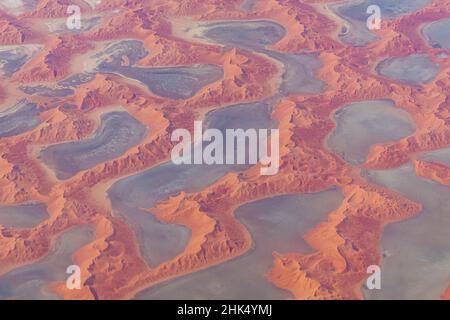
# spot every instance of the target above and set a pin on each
(357, 122)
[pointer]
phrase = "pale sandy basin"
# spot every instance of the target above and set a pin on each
(30, 282)
(363, 124)
(417, 251)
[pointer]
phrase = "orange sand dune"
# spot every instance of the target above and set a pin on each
(51, 63)
(12, 31)
(446, 294)
(434, 171)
